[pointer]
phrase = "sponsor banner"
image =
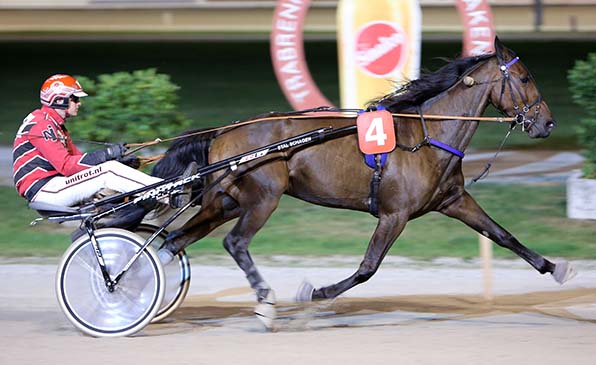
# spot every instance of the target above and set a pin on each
(479, 31)
(379, 47)
(287, 54)
(291, 70)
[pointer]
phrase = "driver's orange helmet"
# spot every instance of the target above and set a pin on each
(57, 90)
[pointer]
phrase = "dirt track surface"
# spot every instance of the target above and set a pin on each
(409, 313)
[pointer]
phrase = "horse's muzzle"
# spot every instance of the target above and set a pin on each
(540, 130)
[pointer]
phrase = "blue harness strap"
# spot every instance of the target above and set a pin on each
(370, 160)
(377, 162)
(445, 147)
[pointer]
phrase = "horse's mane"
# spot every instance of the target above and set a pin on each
(429, 85)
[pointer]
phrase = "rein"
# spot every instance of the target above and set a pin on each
(303, 114)
(519, 119)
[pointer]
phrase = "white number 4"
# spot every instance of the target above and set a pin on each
(375, 132)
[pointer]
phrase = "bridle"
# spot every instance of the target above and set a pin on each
(520, 115)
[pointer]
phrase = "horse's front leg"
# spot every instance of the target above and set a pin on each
(387, 231)
(469, 212)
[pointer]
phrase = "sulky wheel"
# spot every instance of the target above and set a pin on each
(177, 274)
(85, 298)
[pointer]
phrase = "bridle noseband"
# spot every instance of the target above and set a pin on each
(520, 115)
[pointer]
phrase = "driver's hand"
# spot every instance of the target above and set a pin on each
(115, 151)
(131, 160)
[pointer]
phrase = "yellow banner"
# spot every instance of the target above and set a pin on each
(379, 46)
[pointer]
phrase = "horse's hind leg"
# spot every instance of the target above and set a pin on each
(469, 212)
(220, 210)
(236, 243)
(387, 231)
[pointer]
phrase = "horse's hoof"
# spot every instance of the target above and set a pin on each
(305, 291)
(564, 271)
(265, 310)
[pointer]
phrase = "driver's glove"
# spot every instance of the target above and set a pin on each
(112, 152)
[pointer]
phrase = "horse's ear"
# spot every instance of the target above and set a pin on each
(499, 47)
(503, 53)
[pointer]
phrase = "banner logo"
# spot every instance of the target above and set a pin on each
(380, 48)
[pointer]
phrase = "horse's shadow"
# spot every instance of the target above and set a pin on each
(409, 310)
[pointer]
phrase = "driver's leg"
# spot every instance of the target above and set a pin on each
(71, 190)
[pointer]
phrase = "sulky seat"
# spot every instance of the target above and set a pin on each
(51, 210)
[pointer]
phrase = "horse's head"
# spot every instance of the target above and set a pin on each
(516, 95)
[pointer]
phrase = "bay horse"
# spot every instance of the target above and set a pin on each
(333, 174)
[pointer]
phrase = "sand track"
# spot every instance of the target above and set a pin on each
(217, 326)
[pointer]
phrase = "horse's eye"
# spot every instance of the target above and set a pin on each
(525, 79)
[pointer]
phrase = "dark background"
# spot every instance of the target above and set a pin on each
(226, 81)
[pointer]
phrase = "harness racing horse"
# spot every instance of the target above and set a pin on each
(415, 180)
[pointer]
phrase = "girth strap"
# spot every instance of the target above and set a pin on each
(373, 198)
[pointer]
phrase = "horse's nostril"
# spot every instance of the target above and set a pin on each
(551, 124)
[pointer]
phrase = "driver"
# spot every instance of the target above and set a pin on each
(49, 168)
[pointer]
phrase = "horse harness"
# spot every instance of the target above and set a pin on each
(377, 162)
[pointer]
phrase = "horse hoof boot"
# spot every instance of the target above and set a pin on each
(305, 291)
(564, 271)
(265, 310)
(165, 256)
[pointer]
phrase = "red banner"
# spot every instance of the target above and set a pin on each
(287, 54)
(479, 31)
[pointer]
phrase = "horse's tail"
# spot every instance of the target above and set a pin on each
(184, 150)
(194, 147)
